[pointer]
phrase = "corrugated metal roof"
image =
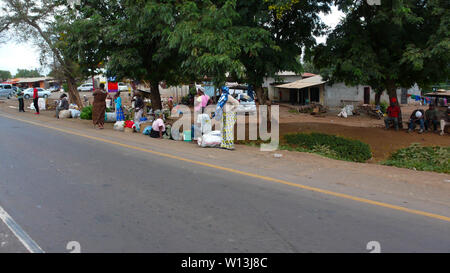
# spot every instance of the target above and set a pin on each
(308, 82)
(30, 80)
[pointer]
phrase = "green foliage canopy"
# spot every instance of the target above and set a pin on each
(395, 44)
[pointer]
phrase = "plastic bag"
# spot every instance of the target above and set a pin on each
(129, 124)
(147, 131)
(119, 126)
(213, 139)
(65, 114)
(75, 113)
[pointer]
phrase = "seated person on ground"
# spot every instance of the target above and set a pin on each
(63, 104)
(431, 117)
(445, 121)
(393, 112)
(158, 127)
(417, 117)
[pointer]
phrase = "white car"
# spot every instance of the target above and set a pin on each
(42, 93)
(87, 87)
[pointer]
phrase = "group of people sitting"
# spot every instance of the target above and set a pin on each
(425, 119)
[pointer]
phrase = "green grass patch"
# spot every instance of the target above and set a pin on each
(328, 145)
(433, 159)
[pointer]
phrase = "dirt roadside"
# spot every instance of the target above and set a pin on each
(420, 190)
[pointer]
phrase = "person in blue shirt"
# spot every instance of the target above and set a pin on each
(119, 110)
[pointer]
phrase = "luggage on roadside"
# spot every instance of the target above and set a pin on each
(110, 117)
(75, 113)
(147, 130)
(65, 114)
(119, 126)
(212, 140)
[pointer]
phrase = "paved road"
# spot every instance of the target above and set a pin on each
(61, 188)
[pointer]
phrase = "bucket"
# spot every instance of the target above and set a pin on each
(187, 136)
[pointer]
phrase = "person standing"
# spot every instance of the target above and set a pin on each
(99, 107)
(138, 108)
(36, 100)
(445, 121)
(170, 104)
(119, 110)
(226, 110)
(20, 99)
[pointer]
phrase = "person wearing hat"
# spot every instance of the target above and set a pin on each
(417, 116)
(393, 113)
(445, 121)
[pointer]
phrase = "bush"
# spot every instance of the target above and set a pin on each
(384, 106)
(86, 113)
(330, 146)
(434, 159)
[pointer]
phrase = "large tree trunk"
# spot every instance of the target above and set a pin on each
(392, 92)
(155, 95)
(378, 97)
(260, 94)
(74, 96)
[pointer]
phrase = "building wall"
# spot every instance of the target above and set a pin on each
(273, 91)
(334, 94)
(177, 92)
(285, 94)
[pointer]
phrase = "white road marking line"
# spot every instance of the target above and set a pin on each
(23, 237)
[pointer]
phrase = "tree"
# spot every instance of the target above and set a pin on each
(395, 44)
(132, 35)
(5, 75)
(25, 73)
(35, 20)
(248, 39)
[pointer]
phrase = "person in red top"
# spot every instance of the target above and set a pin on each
(393, 112)
(36, 100)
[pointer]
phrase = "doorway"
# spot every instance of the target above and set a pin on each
(366, 95)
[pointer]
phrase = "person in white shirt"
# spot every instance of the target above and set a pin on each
(158, 127)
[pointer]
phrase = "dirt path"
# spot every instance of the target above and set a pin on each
(362, 128)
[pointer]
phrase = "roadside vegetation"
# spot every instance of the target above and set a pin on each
(433, 159)
(86, 113)
(329, 146)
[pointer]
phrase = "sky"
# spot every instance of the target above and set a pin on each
(15, 56)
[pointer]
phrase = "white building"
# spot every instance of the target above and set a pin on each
(312, 88)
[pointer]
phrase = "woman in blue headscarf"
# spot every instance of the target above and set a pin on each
(226, 110)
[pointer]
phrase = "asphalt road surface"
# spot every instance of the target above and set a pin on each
(61, 188)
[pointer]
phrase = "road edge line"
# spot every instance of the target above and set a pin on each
(266, 178)
(23, 237)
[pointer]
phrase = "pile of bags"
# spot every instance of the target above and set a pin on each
(71, 113)
(212, 139)
(41, 103)
(346, 111)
